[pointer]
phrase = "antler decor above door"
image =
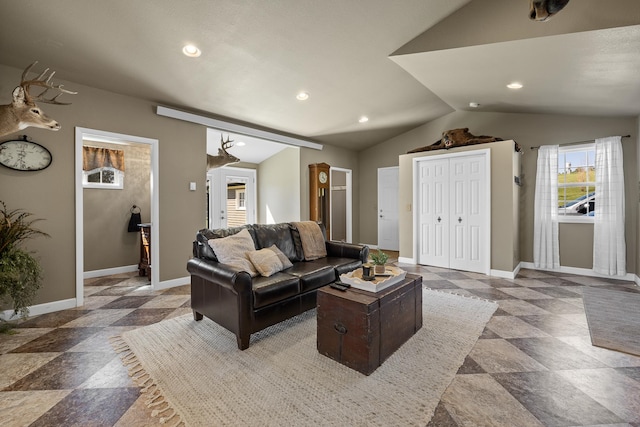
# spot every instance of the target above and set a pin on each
(223, 158)
(23, 111)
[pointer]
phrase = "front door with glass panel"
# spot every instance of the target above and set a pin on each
(231, 197)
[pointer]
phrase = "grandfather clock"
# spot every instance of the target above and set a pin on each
(319, 194)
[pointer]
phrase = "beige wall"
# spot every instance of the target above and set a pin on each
(50, 194)
(504, 195)
(279, 187)
(107, 243)
(336, 157)
(528, 130)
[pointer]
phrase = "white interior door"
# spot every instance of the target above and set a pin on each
(388, 227)
(232, 197)
(434, 218)
(467, 213)
(454, 212)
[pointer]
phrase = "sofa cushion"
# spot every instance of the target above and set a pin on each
(312, 274)
(204, 235)
(269, 290)
(295, 235)
(342, 265)
(286, 262)
(232, 250)
(267, 235)
(266, 261)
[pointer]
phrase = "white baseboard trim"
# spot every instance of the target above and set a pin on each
(506, 274)
(582, 272)
(166, 284)
(110, 271)
(48, 307)
(66, 304)
(496, 273)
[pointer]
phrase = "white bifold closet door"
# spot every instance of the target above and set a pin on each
(453, 212)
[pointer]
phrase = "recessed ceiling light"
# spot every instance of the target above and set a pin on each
(363, 119)
(474, 105)
(240, 144)
(302, 96)
(191, 51)
(515, 85)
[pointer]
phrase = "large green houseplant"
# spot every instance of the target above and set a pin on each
(20, 272)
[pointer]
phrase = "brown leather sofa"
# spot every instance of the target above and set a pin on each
(245, 305)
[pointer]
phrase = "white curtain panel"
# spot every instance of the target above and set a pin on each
(609, 247)
(546, 249)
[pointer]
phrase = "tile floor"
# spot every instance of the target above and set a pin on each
(533, 366)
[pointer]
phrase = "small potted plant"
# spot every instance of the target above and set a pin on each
(20, 272)
(379, 259)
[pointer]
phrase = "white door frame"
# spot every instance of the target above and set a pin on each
(487, 205)
(349, 204)
(216, 189)
(111, 137)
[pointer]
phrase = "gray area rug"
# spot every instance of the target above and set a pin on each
(613, 318)
(196, 376)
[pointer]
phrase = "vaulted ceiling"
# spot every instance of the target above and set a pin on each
(401, 64)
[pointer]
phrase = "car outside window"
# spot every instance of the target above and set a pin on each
(576, 183)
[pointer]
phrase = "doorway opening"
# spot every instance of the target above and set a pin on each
(341, 205)
(116, 212)
(231, 197)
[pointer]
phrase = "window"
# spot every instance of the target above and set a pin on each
(102, 168)
(240, 200)
(576, 183)
(105, 177)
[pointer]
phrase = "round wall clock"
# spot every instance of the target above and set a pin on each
(23, 155)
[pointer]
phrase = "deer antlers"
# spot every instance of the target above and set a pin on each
(42, 82)
(226, 144)
(23, 111)
(223, 158)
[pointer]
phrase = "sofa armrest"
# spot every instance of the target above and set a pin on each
(347, 250)
(221, 274)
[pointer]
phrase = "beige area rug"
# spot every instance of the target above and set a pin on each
(613, 318)
(196, 376)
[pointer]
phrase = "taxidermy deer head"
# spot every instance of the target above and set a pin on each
(543, 10)
(223, 158)
(23, 111)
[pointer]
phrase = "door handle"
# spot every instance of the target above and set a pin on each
(459, 220)
(439, 219)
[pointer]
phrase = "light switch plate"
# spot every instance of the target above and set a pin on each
(192, 186)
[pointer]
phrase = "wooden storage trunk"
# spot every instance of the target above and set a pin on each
(362, 329)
